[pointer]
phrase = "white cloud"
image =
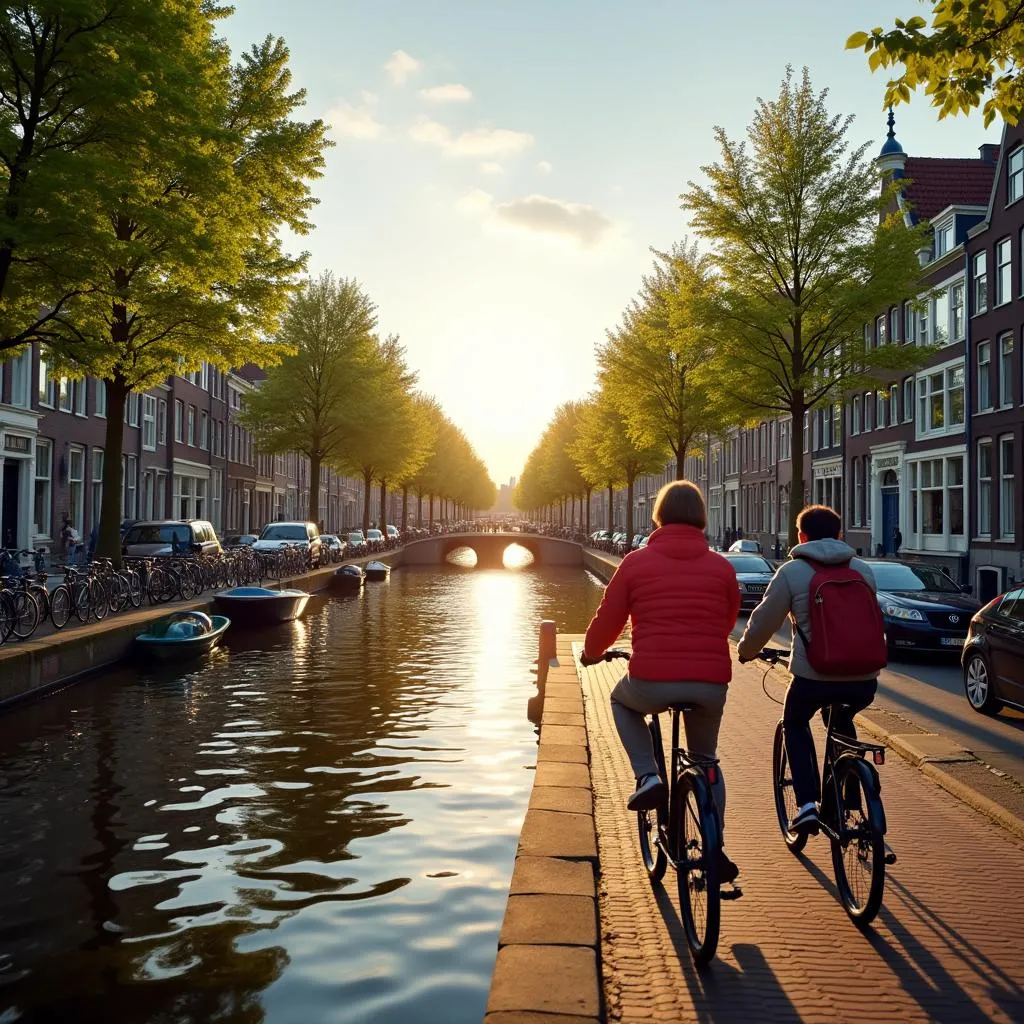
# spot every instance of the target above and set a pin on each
(400, 65)
(585, 225)
(490, 167)
(451, 93)
(475, 201)
(544, 167)
(368, 98)
(353, 122)
(478, 142)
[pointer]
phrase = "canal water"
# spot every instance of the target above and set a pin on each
(317, 825)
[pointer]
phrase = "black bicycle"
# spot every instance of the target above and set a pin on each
(851, 815)
(685, 830)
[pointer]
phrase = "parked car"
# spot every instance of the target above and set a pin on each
(753, 574)
(155, 538)
(993, 659)
(637, 538)
(746, 546)
(643, 543)
(374, 540)
(392, 532)
(289, 534)
(333, 547)
(356, 543)
(240, 540)
(923, 608)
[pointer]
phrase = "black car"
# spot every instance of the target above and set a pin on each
(924, 610)
(753, 573)
(993, 658)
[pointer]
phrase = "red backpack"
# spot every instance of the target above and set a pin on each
(847, 631)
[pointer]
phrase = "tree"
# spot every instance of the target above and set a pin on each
(605, 451)
(191, 268)
(807, 248)
(972, 49)
(311, 402)
(655, 364)
(79, 81)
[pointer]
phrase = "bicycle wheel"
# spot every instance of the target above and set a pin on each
(60, 606)
(649, 822)
(7, 615)
(117, 589)
(858, 856)
(80, 601)
(697, 848)
(26, 614)
(785, 798)
(99, 599)
(134, 588)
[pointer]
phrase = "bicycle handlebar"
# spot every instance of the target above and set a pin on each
(773, 655)
(610, 655)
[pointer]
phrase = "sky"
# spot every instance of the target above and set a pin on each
(502, 167)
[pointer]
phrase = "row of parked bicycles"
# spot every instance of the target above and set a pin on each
(28, 600)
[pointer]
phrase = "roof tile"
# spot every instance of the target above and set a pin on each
(938, 182)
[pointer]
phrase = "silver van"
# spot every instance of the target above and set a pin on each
(157, 537)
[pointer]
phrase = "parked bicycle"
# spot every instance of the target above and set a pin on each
(686, 832)
(851, 815)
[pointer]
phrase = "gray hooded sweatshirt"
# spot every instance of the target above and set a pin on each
(787, 596)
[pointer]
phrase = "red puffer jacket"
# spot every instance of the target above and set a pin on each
(681, 599)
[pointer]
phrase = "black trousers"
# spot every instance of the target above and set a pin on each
(803, 698)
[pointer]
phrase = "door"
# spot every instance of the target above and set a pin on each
(890, 519)
(9, 507)
(1006, 640)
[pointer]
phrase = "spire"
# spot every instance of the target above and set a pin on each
(892, 152)
(892, 124)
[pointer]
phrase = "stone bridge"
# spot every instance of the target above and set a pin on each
(490, 549)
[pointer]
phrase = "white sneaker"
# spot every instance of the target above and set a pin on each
(650, 791)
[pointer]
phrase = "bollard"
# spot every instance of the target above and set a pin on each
(547, 650)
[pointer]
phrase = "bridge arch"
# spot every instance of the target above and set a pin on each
(489, 549)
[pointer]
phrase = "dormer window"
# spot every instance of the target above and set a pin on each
(1015, 175)
(943, 238)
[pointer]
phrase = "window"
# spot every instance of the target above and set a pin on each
(985, 488)
(880, 330)
(909, 323)
(129, 505)
(894, 398)
(76, 488)
(64, 394)
(179, 415)
(42, 507)
(149, 423)
(943, 239)
(101, 399)
(858, 491)
(980, 283)
(785, 439)
(45, 385)
(855, 424)
(1006, 370)
(956, 319)
(908, 399)
(984, 376)
(894, 325)
(937, 496)
(1006, 507)
(1015, 175)
(204, 429)
(132, 409)
(807, 431)
(941, 328)
(923, 333)
(161, 421)
(880, 406)
(97, 485)
(1004, 272)
(80, 387)
(940, 400)
(837, 423)
(867, 476)
(191, 437)
(204, 375)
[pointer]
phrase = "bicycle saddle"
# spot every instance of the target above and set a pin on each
(682, 707)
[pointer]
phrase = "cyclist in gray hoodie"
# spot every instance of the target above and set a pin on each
(819, 531)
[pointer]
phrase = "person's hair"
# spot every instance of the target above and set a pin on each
(680, 502)
(819, 522)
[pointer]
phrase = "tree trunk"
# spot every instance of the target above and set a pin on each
(430, 511)
(796, 487)
(629, 510)
(108, 543)
(314, 489)
(367, 485)
(611, 508)
(586, 514)
(405, 509)
(419, 508)
(383, 506)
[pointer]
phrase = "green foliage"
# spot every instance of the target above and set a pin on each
(805, 251)
(972, 49)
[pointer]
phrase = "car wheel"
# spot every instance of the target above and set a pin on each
(978, 685)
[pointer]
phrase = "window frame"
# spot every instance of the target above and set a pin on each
(43, 529)
(984, 488)
(1007, 379)
(149, 435)
(1004, 272)
(1006, 487)
(984, 376)
(979, 282)
(1014, 173)
(100, 410)
(908, 399)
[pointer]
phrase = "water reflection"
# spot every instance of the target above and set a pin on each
(318, 824)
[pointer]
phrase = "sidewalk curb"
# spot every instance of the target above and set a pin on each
(963, 792)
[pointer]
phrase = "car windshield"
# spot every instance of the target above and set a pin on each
(374, 534)
(355, 538)
(912, 577)
(750, 563)
(154, 534)
(284, 531)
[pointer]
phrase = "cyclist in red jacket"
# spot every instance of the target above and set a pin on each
(681, 600)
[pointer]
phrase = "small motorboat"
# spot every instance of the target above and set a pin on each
(260, 606)
(348, 578)
(377, 570)
(182, 635)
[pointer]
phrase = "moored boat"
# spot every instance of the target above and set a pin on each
(348, 578)
(182, 635)
(260, 606)
(377, 570)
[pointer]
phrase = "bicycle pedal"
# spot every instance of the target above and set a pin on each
(890, 855)
(730, 893)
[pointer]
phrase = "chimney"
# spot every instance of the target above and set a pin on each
(989, 153)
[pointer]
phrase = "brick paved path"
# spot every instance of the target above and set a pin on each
(948, 945)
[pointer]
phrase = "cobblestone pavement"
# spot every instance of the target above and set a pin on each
(948, 945)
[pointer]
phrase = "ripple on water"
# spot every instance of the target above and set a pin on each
(359, 783)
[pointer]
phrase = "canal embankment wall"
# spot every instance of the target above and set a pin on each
(32, 668)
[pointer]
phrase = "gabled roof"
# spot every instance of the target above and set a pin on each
(938, 182)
